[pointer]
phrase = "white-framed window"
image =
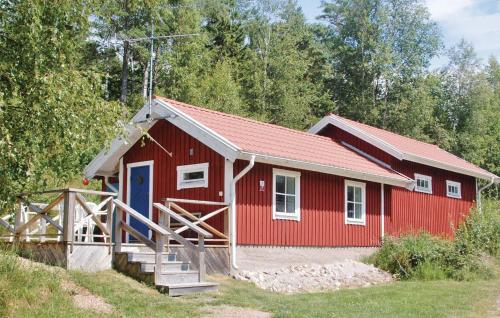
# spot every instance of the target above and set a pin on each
(286, 194)
(423, 183)
(355, 202)
(192, 176)
(453, 189)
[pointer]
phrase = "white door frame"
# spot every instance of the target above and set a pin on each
(131, 165)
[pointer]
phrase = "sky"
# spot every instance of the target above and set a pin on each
(477, 21)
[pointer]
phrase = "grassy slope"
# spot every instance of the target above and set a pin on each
(37, 293)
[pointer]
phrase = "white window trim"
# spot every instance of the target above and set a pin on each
(203, 183)
(281, 215)
(361, 185)
(423, 177)
(455, 184)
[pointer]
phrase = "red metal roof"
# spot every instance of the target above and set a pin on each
(271, 140)
(414, 147)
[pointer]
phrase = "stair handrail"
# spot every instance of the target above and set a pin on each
(160, 234)
(202, 234)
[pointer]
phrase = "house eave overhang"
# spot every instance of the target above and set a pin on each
(106, 162)
(393, 151)
(398, 181)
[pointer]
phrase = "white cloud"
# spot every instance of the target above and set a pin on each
(476, 21)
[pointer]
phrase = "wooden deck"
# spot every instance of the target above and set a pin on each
(75, 230)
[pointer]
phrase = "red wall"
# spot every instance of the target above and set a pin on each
(165, 168)
(410, 210)
(322, 212)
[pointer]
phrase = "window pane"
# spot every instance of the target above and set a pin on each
(194, 175)
(290, 185)
(357, 194)
(290, 204)
(357, 212)
(280, 203)
(280, 184)
(350, 210)
(350, 193)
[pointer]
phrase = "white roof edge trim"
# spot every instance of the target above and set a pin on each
(193, 121)
(182, 121)
(444, 166)
(291, 163)
(377, 142)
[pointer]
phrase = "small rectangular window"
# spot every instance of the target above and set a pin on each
(423, 183)
(453, 189)
(286, 194)
(192, 176)
(355, 207)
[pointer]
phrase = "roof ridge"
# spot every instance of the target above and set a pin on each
(246, 119)
(386, 131)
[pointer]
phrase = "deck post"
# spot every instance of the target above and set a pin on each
(110, 206)
(118, 230)
(201, 258)
(69, 218)
(158, 257)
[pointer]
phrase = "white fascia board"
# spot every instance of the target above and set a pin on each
(303, 165)
(377, 142)
(199, 131)
(444, 166)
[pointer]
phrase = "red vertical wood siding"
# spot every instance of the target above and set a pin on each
(321, 216)
(406, 210)
(165, 168)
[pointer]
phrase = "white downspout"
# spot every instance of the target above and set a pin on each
(382, 212)
(233, 210)
(480, 190)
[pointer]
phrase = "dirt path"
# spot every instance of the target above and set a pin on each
(231, 312)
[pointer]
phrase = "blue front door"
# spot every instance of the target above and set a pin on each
(139, 197)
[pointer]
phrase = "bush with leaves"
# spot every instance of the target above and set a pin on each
(426, 257)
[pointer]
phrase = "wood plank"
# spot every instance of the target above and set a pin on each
(5, 224)
(40, 212)
(138, 235)
(200, 220)
(89, 211)
(153, 226)
(172, 200)
(182, 220)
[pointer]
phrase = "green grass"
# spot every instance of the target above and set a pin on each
(444, 298)
(37, 293)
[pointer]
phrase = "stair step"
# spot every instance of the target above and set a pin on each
(176, 266)
(190, 288)
(150, 257)
(180, 277)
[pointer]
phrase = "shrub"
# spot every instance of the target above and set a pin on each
(426, 257)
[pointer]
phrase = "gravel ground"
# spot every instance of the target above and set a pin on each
(314, 277)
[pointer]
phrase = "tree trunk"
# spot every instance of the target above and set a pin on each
(124, 80)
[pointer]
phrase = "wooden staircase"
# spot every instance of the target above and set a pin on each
(176, 278)
(152, 263)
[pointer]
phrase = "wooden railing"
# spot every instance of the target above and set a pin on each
(63, 219)
(218, 237)
(162, 233)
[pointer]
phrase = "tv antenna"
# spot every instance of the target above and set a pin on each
(151, 38)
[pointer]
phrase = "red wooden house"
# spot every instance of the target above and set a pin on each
(342, 184)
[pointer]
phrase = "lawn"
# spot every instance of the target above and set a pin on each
(37, 293)
(400, 299)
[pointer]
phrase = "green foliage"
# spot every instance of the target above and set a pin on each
(52, 117)
(426, 257)
(481, 230)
